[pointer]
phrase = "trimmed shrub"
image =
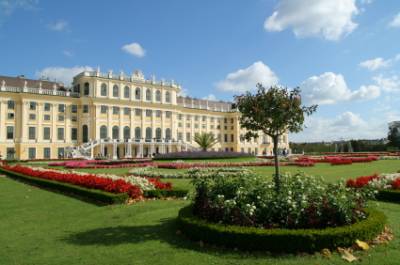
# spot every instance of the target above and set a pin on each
(69, 189)
(280, 240)
(389, 196)
(178, 193)
(200, 155)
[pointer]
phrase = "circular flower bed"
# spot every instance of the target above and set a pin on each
(306, 214)
(279, 240)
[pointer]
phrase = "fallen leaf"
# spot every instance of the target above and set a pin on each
(362, 245)
(346, 255)
(326, 253)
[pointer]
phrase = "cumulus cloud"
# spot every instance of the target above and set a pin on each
(379, 63)
(134, 49)
(330, 19)
(246, 79)
(331, 88)
(59, 25)
(395, 23)
(347, 125)
(388, 84)
(210, 97)
(62, 74)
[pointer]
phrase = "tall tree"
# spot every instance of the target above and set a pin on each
(394, 137)
(205, 140)
(273, 111)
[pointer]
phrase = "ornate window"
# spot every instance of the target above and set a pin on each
(103, 132)
(103, 90)
(127, 132)
(86, 89)
(168, 134)
(158, 96)
(149, 133)
(115, 132)
(137, 93)
(158, 133)
(148, 95)
(115, 91)
(127, 92)
(138, 133)
(168, 97)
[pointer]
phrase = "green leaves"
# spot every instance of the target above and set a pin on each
(205, 140)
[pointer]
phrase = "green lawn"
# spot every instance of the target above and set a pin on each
(42, 227)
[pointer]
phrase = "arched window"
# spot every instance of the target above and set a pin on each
(138, 133)
(103, 132)
(148, 95)
(127, 132)
(167, 97)
(86, 90)
(148, 133)
(158, 133)
(115, 91)
(127, 92)
(158, 96)
(103, 90)
(115, 132)
(168, 134)
(85, 133)
(137, 93)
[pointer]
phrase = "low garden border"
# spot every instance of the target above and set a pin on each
(174, 193)
(389, 196)
(280, 240)
(69, 189)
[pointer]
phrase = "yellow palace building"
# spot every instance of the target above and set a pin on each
(113, 116)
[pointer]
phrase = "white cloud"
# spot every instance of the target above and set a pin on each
(62, 74)
(60, 25)
(331, 88)
(8, 7)
(347, 125)
(395, 23)
(327, 18)
(134, 49)
(388, 84)
(246, 79)
(375, 64)
(379, 63)
(68, 53)
(210, 97)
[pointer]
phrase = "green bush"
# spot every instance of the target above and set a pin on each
(69, 189)
(280, 240)
(389, 195)
(178, 193)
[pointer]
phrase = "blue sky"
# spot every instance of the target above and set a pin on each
(343, 54)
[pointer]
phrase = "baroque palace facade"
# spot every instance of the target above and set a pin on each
(114, 116)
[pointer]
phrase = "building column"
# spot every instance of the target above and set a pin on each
(115, 156)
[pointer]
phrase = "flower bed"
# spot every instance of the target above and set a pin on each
(200, 155)
(183, 165)
(101, 164)
(387, 186)
(279, 240)
(337, 160)
(307, 214)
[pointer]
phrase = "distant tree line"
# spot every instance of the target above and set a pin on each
(341, 146)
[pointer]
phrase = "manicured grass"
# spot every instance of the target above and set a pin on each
(235, 159)
(42, 227)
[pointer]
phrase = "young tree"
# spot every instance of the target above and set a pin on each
(205, 140)
(273, 111)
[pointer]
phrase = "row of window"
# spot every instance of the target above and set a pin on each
(138, 112)
(137, 135)
(127, 93)
(46, 152)
(46, 106)
(204, 118)
(10, 133)
(46, 117)
(204, 126)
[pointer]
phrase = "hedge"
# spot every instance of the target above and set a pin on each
(69, 189)
(279, 240)
(389, 196)
(178, 193)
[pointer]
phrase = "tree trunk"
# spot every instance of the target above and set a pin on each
(277, 178)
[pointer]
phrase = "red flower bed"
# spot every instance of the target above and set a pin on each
(160, 185)
(360, 181)
(87, 180)
(98, 164)
(396, 184)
